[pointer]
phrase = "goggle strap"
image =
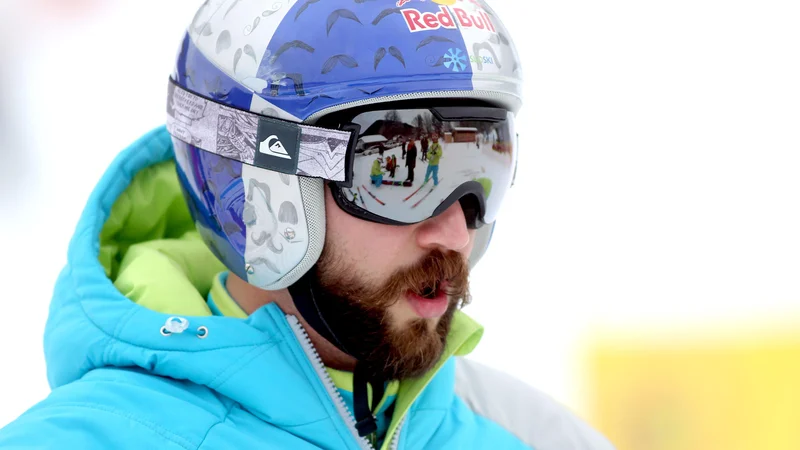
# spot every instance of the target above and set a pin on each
(265, 142)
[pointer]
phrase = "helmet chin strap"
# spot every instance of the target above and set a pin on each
(305, 294)
(305, 299)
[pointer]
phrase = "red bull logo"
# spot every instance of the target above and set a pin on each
(447, 18)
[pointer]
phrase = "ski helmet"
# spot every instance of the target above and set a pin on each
(253, 78)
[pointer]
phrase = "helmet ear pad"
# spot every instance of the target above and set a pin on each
(264, 226)
(288, 234)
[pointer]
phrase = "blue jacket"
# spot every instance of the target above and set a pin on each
(136, 359)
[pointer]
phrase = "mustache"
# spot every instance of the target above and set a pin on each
(436, 269)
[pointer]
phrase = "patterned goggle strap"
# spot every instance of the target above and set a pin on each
(264, 142)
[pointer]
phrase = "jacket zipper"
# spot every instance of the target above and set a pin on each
(396, 438)
(313, 356)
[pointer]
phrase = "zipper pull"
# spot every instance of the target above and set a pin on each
(367, 427)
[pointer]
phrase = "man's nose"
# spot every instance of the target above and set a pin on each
(447, 231)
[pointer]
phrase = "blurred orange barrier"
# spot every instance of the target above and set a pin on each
(698, 394)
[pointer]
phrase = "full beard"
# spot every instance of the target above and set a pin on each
(359, 312)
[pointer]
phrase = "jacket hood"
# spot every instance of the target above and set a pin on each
(136, 260)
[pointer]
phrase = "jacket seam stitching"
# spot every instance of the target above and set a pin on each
(227, 413)
(431, 409)
(130, 384)
(224, 375)
(166, 434)
(487, 418)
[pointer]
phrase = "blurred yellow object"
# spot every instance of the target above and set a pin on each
(703, 394)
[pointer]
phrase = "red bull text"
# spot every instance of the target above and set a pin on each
(447, 18)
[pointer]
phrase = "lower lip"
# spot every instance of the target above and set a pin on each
(429, 308)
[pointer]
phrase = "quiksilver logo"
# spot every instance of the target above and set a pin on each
(272, 146)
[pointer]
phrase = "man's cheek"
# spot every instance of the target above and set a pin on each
(468, 249)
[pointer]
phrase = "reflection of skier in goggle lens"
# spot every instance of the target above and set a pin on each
(445, 155)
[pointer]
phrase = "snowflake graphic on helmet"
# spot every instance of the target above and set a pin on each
(454, 58)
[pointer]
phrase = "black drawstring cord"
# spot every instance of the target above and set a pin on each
(366, 422)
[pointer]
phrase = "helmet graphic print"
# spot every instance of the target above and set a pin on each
(256, 194)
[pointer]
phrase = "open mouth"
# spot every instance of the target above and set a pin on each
(430, 291)
(431, 301)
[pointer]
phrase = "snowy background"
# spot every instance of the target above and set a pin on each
(658, 187)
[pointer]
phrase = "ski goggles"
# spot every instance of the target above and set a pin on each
(411, 164)
(396, 166)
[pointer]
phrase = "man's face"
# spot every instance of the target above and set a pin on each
(391, 291)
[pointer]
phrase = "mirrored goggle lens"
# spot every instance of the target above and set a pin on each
(410, 165)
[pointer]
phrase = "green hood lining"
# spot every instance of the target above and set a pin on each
(150, 249)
